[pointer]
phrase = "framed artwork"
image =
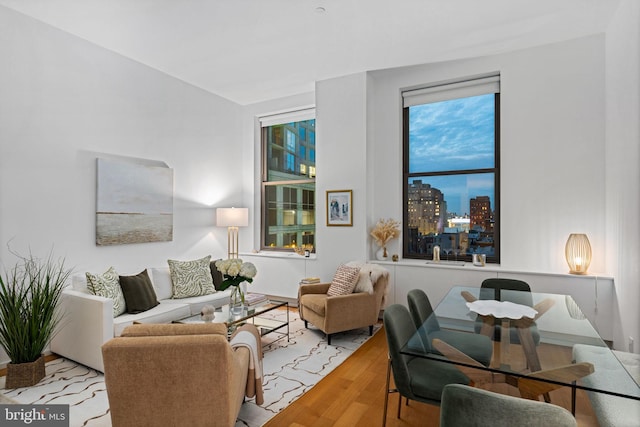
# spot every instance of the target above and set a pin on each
(134, 202)
(339, 208)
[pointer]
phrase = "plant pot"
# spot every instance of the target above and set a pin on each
(24, 374)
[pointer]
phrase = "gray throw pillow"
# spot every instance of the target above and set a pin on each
(138, 292)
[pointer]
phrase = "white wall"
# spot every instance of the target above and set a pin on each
(622, 169)
(553, 169)
(341, 126)
(552, 146)
(64, 102)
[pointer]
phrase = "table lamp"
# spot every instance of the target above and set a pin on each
(578, 253)
(232, 218)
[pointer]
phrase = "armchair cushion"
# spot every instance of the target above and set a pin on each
(344, 280)
(316, 302)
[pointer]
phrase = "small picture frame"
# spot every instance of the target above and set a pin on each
(340, 208)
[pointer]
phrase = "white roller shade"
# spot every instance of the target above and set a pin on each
(444, 92)
(288, 117)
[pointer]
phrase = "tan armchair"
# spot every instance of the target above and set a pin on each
(174, 375)
(332, 314)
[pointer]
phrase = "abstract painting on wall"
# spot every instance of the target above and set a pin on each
(134, 202)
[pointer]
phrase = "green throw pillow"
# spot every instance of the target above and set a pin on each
(191, 278)
(138, 291)
(107, 285)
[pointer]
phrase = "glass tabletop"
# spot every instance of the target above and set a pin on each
(225, 314)
(536, 337)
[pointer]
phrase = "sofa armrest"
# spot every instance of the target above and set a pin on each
(314, 288)
(86, 323)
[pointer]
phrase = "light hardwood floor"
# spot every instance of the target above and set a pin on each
(353, 395)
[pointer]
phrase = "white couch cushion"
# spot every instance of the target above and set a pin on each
(163, 313)
(161, 279)
(79, 283)
(217, 299)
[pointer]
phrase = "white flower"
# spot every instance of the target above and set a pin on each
(248, 270)
(233, 269)
(222, 265)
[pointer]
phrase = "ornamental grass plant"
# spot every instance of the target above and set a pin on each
(29, 295)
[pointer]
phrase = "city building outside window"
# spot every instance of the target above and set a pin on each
(288, 144)
(451, 170)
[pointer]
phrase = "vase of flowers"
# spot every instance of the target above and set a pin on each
(382, 233)
(234, 273)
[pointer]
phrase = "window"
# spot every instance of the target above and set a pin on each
(451, 170)
(288, 181)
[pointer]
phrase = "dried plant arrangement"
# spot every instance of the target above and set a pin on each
(385, 230)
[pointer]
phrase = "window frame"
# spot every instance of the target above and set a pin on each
(407, 175)
(293, 116)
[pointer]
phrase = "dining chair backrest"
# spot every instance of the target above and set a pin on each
(492, 289)
(399, 328)
(422, 311)
(464, 406)
(475, 346)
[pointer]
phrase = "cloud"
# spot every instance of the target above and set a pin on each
(452, 135)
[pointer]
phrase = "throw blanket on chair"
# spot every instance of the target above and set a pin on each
(248, 336)
(369, 274)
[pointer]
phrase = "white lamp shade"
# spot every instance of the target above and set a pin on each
(232, 217)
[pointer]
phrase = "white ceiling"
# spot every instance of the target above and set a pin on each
(253, 50)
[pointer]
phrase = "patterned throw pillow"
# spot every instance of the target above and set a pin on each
(344, 280)
(191, 278)
(108, 285)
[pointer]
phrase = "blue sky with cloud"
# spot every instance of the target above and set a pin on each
(454, 135)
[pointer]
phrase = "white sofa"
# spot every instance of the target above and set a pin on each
(88, 320)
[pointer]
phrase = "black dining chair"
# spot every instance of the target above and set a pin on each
(476, 346)
(492, 289)
(415, 378)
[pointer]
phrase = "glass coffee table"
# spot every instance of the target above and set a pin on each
(251, 314)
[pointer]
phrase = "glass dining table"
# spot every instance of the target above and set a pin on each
(541, 342)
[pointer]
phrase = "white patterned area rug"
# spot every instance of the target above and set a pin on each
(290, 369)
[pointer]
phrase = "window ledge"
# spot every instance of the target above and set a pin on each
(276, 254)
(459, 265)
